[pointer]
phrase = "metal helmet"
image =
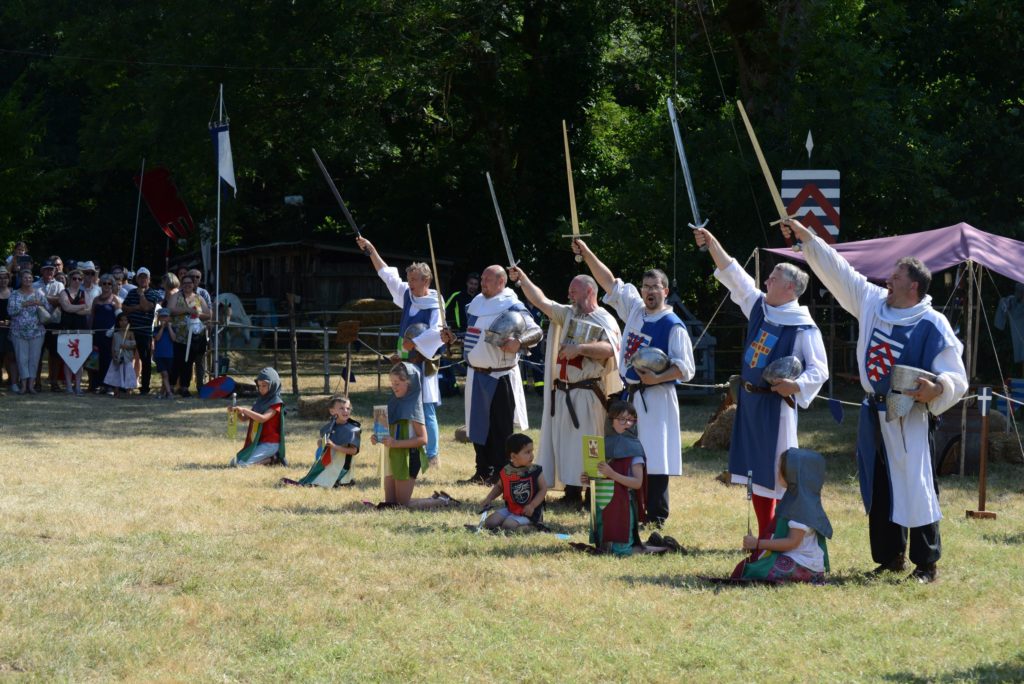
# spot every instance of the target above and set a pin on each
(786, 368)
(649, 358)
(898, 404)
(414, 331)
(510, 325)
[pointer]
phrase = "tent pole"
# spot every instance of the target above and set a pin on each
(968, 355)
(977, 324)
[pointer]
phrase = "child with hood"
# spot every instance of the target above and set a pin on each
(797, 551)
(616, 526)
(264, 440)
(405, 441)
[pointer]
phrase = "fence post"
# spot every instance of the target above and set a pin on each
(327, 364)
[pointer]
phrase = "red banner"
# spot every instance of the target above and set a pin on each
(165, 203)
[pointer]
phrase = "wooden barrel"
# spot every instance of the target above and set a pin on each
(947, 439)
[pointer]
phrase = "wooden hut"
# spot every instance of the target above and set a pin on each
(326, 276)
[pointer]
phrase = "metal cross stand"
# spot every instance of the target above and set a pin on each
(984, 401)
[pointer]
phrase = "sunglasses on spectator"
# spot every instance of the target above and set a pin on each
(106, 283)
(76, 277)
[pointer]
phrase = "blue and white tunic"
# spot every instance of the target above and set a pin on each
(480, 387)
(803, 340)
(658, 412)
(918, 336)
(424, 310)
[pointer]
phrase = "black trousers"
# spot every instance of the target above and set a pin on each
(144, 345)
(490, 457)
(181, 368)
(889, 540)
(657, 498)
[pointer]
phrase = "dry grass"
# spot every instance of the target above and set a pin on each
(129, 551)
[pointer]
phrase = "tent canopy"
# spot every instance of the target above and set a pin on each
(939, 249)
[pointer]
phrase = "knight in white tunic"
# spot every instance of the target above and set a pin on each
(580, 373)
(894, 456)
(421, 318)
(766, 415)
(650, 322)
(494, 388)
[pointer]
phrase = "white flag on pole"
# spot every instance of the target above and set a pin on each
(225, 164)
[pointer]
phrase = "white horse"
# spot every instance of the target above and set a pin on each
(237, 328)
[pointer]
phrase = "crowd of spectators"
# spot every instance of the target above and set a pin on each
(37, 306)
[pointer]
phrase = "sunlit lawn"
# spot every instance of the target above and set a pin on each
(128, 550)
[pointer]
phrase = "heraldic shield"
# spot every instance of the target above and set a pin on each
(74, 348)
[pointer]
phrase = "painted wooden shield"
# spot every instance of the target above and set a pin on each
(74, 348)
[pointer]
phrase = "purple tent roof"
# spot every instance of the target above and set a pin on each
(939, 249)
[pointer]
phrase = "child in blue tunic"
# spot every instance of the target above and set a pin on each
(338, 437)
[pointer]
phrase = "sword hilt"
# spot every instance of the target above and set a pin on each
(704, 223)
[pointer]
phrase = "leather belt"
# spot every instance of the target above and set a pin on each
(754, 389)
(634, 387)
(874, 398)
(592, 384)
(492, 370)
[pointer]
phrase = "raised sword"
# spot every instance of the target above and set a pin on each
(501, 224)
(337, 195)
(769, 179)
(694, 209)
(437, 286)
(572, 193)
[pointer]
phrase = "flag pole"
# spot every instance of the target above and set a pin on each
(138, 205)
(216, 296)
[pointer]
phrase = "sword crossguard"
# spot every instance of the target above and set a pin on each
(518, 284)
(703, 224)
(579, 257)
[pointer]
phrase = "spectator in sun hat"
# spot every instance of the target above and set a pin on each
(141, 304)
(51, 288)
(89, 284)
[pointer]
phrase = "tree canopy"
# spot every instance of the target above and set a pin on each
(917, 104)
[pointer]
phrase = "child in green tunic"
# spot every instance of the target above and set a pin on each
(797, 551)
(405, 441)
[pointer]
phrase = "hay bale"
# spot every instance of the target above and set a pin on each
(373, 312)
(314, 407)
(462, 435)
(1003, 447)
(718, 432)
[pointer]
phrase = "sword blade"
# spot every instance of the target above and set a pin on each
(337, 195)
(694, 209)
(501, 223)
(750, 496)
(437, 287)
(568, 175)
(772, 188)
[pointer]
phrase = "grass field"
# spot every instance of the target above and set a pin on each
(129, 551)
